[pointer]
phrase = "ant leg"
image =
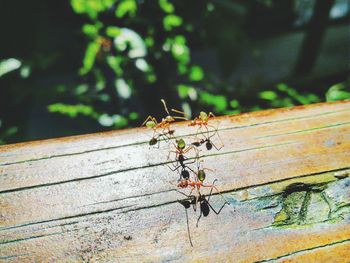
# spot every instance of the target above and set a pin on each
(216, 189)
(210, 170)
(172, 152)
(149, 118)
(191, 147)
(188, 228)
(212, 208)
(211, 190)
(210, 114)
(178, 111)
(216, 132)
(207, 201)
(198, 219)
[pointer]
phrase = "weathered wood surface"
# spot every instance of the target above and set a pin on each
(108, 197)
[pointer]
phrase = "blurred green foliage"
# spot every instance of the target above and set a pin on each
(136, 52)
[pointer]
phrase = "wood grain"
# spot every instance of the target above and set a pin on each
(109, 197)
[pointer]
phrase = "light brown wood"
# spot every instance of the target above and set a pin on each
(109, 197)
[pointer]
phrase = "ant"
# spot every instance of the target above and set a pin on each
(180, 150)
(208, 142)
(202, 119)
(151, 122)
(157, 137)
(198, 183)
(205, 207)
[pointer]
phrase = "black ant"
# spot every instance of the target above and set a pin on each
(208, 142)
(204, 205)
(157, 137)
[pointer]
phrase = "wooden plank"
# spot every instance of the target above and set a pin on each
(109, 196)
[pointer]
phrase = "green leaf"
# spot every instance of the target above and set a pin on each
(126, 7)
(196, 73)
(186, 91)
(91, 7)
(166, 6)
(234, 103)
(268, 95)
(180, 52)
(171, 21)
(90, 56)
(72, 110)
(218, 101)
(113, 120)
(115, 64)
(113, 31)
(91, 30)
(133, 116)
(338, 92)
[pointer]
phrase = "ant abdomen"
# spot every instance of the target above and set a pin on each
(209, 146)
(153, 141)
(205, 208)
(185, 174)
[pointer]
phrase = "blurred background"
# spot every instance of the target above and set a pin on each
(79, 66)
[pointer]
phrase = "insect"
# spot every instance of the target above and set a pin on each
(157, 137)
(151, 122)
(204, 205)
(198, 182)
(206, 140)
(180, 150)
(202, 119)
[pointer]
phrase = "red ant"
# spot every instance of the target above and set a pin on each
(198, 183)
(152, 122)
(180, 150)
(202, 119)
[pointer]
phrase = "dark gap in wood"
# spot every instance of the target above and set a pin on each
(304, 250)
(64, 218)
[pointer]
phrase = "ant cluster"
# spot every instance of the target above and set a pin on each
(184, 157)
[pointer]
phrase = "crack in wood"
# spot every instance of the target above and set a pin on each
(135, 168)
(304, 250)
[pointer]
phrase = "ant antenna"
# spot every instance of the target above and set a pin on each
(188, 229)
(165, 107)
(178, 111)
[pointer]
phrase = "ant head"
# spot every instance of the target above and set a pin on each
(150, 124)
(201, 175)
(169, 119)
(209, 145)
(185, 174)
(185, 203)
(181, 144)
(203, 116)
(197, 144)
(183, 184)
(153, 141)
